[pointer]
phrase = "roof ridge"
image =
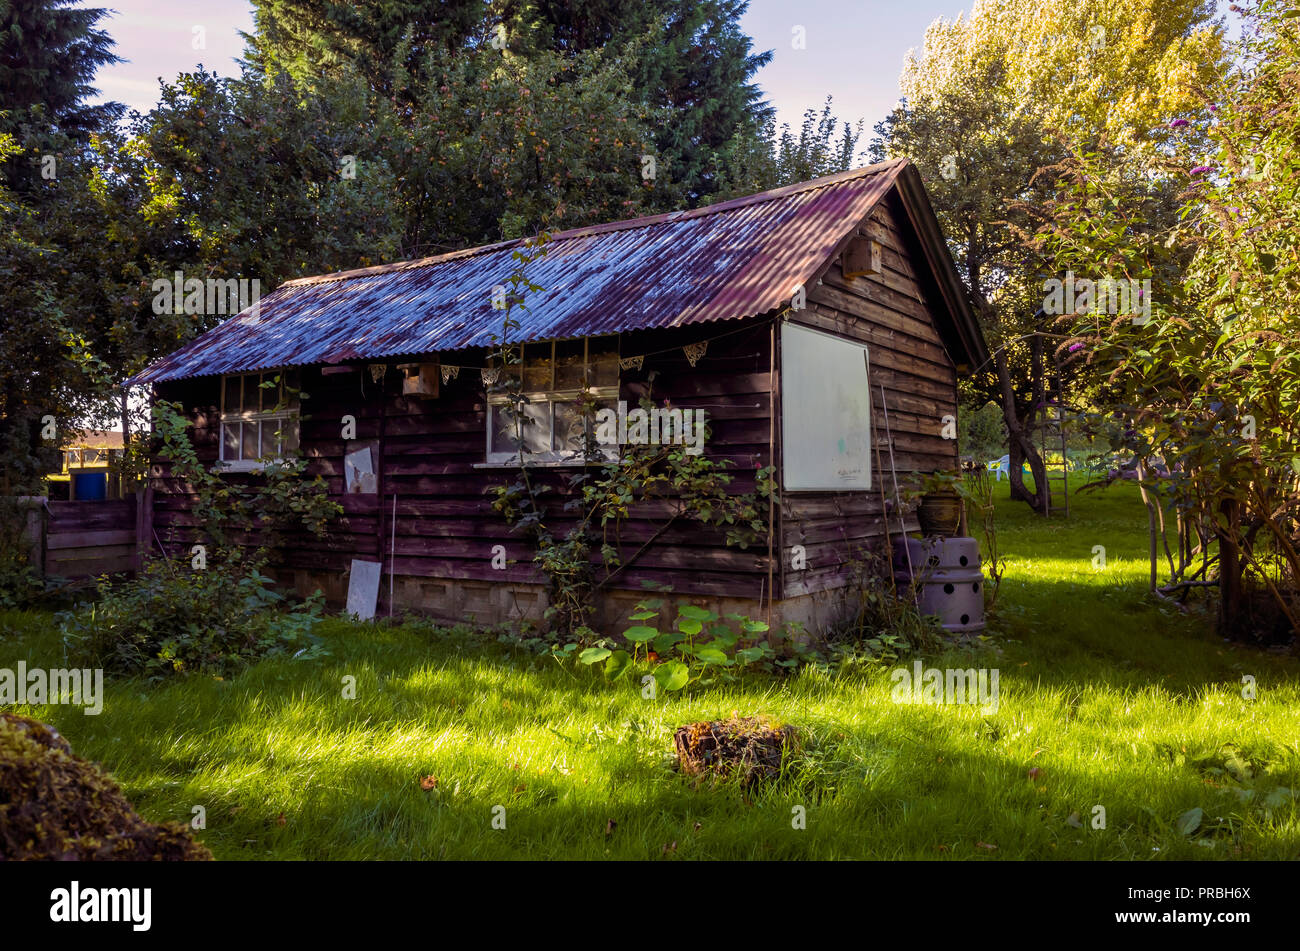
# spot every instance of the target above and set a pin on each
(626, 224)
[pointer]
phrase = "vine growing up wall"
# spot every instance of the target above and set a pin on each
(590, 554)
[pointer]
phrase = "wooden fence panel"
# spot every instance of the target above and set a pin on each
(88, 538)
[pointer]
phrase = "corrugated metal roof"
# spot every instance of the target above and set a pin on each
(722, 262)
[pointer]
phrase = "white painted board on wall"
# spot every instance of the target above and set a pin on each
(359, 472)
(363, 589)
(825, 412)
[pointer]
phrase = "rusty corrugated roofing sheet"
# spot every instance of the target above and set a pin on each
(722, 262)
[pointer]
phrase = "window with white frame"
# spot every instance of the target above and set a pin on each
(259, 417)
(551, 426)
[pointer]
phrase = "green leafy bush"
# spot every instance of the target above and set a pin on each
(700, 647)
(172, 620)
(217, 616)
(982, 431)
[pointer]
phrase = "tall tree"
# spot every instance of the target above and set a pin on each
(311, 40)
(991, 103)
(760, 156)
(688, 58)
(1211, 382)
(49, 53)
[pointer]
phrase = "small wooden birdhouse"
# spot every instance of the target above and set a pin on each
(419, 379)
(862, 258)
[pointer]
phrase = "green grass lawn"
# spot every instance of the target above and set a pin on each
(1106, 699)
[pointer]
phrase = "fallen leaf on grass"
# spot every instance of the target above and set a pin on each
(670, 847)
(609, 827)
(1074, 820)
(281, 820)
(986, 845)
(1190, 820)
(428, 782)
(1034, 772)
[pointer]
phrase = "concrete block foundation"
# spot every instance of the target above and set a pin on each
(456, 600)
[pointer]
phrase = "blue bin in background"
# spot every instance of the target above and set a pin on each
(90, 485)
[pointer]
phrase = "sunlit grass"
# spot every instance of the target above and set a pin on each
(1106, 699)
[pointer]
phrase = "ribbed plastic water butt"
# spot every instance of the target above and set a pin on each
(951, 580)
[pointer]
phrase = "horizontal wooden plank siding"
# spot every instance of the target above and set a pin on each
(88, 538)
(432, 454)
(892, 314)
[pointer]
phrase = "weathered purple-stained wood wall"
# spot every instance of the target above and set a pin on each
(88, 538)
(433, 452)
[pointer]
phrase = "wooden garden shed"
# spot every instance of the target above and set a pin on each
(786, 316)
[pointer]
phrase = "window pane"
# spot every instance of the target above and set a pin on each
(231, 402)
(230, 442)
(534, 422)
(505, 373)
(569, 426)
(248, 448)
(569, 365)
(270, 394)
(289, 435)
(270, 438)
(608, 448)
(503, 429)
(537, 432)
(537, 368)
(510, 371)
(251, 394)
(602, 353)
(290, 385)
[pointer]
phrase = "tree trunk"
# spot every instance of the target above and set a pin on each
(123, 478)
(1017, 474)
(1021, 445)
(1232, 607)
(1022, 448)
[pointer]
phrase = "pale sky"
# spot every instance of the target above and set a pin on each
(854, 48)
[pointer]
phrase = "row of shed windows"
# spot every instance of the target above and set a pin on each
(260, 411)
